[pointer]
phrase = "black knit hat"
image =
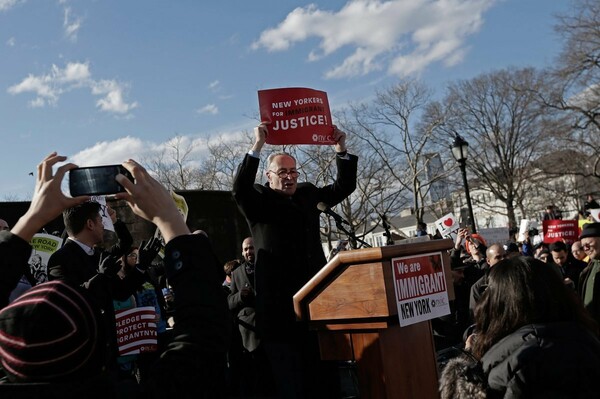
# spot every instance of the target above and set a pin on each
(52, 332)
(590, 230)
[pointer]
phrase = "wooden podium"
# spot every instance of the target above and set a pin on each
(352, 304)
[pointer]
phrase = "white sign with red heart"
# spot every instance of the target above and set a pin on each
(448, 226)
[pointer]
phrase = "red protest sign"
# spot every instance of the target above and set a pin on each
(296, 115)
(557, 230)
(420, 287)
(136, 330)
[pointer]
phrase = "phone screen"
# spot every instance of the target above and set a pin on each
(96, 180)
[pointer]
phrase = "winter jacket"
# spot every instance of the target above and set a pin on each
(550, 360)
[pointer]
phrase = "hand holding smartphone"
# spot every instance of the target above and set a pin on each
(97, 180)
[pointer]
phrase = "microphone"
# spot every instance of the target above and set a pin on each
(323, 207)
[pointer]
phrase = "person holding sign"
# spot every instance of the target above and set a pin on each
(283, 216)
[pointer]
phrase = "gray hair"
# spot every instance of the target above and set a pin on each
(276, 154)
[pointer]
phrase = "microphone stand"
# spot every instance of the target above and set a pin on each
(352, 239)
(387, 233)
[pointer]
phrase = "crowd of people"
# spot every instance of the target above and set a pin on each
(59, 338)
(526, 320)
(527, 327)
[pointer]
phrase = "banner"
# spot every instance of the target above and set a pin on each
(42, 245)
(106, 220)
(448, 226)
(595, 214)
(420, 288)
(136, 330)
(296, 115)
(523, 228)
(559, 230)
(495, 235)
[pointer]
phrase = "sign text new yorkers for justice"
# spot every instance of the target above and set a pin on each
(296, 115)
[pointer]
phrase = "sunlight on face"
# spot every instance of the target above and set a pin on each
(287, 184)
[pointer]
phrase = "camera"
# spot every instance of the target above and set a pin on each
(96, 180)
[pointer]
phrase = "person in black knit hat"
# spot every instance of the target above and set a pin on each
(49, 344)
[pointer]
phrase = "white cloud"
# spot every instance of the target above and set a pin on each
(71, 24)
(11, 42)
(209, 109)
(113, 152)
(402, 36)
(124, 148)
(48, 88)
(6, 5)
(213, 85)
(113, 97)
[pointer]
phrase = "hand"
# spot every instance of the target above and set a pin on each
(111, 213)
(340, 139)
(148, 251)
(460, 236)
(48, 200)
(109, 265)
(148, 199)
(260, 136)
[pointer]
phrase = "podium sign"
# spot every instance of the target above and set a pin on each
(352, 303)
(420, 284)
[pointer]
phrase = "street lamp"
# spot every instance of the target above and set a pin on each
(459, 151)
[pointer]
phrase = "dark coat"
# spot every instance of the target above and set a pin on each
(286, 239)
(71, 263)
(243, 309)
(192, 366)
(550, 360)
(594, 307)
(14, 254)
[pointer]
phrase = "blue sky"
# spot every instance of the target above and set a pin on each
(102, 81)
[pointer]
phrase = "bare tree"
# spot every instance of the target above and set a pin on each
(576, 85)
(175, 166)
(219, 167)
(400, 143)
(506, 128)
(317, 165)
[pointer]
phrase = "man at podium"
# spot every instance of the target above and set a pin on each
(284, 220)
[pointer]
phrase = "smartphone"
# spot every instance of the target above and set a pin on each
(96, 180)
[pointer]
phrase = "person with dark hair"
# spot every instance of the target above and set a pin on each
(52, 343)
(228, 268)
(421, 229)
(533, 338)
(590, 203)
(82, 261)
(494, 254)
(570, 267)
(284, 218)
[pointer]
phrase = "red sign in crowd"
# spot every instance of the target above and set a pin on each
(136, 330)
(559, 230)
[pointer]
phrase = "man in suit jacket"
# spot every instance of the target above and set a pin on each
(78, 261)
(255, 374)
(284, 219)
(241, 297)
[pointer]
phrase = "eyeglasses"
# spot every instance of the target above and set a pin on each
(587, 245)
(132, 256)
(282, 174)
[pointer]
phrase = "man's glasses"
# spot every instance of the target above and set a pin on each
(587, 245)
(282, 174)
